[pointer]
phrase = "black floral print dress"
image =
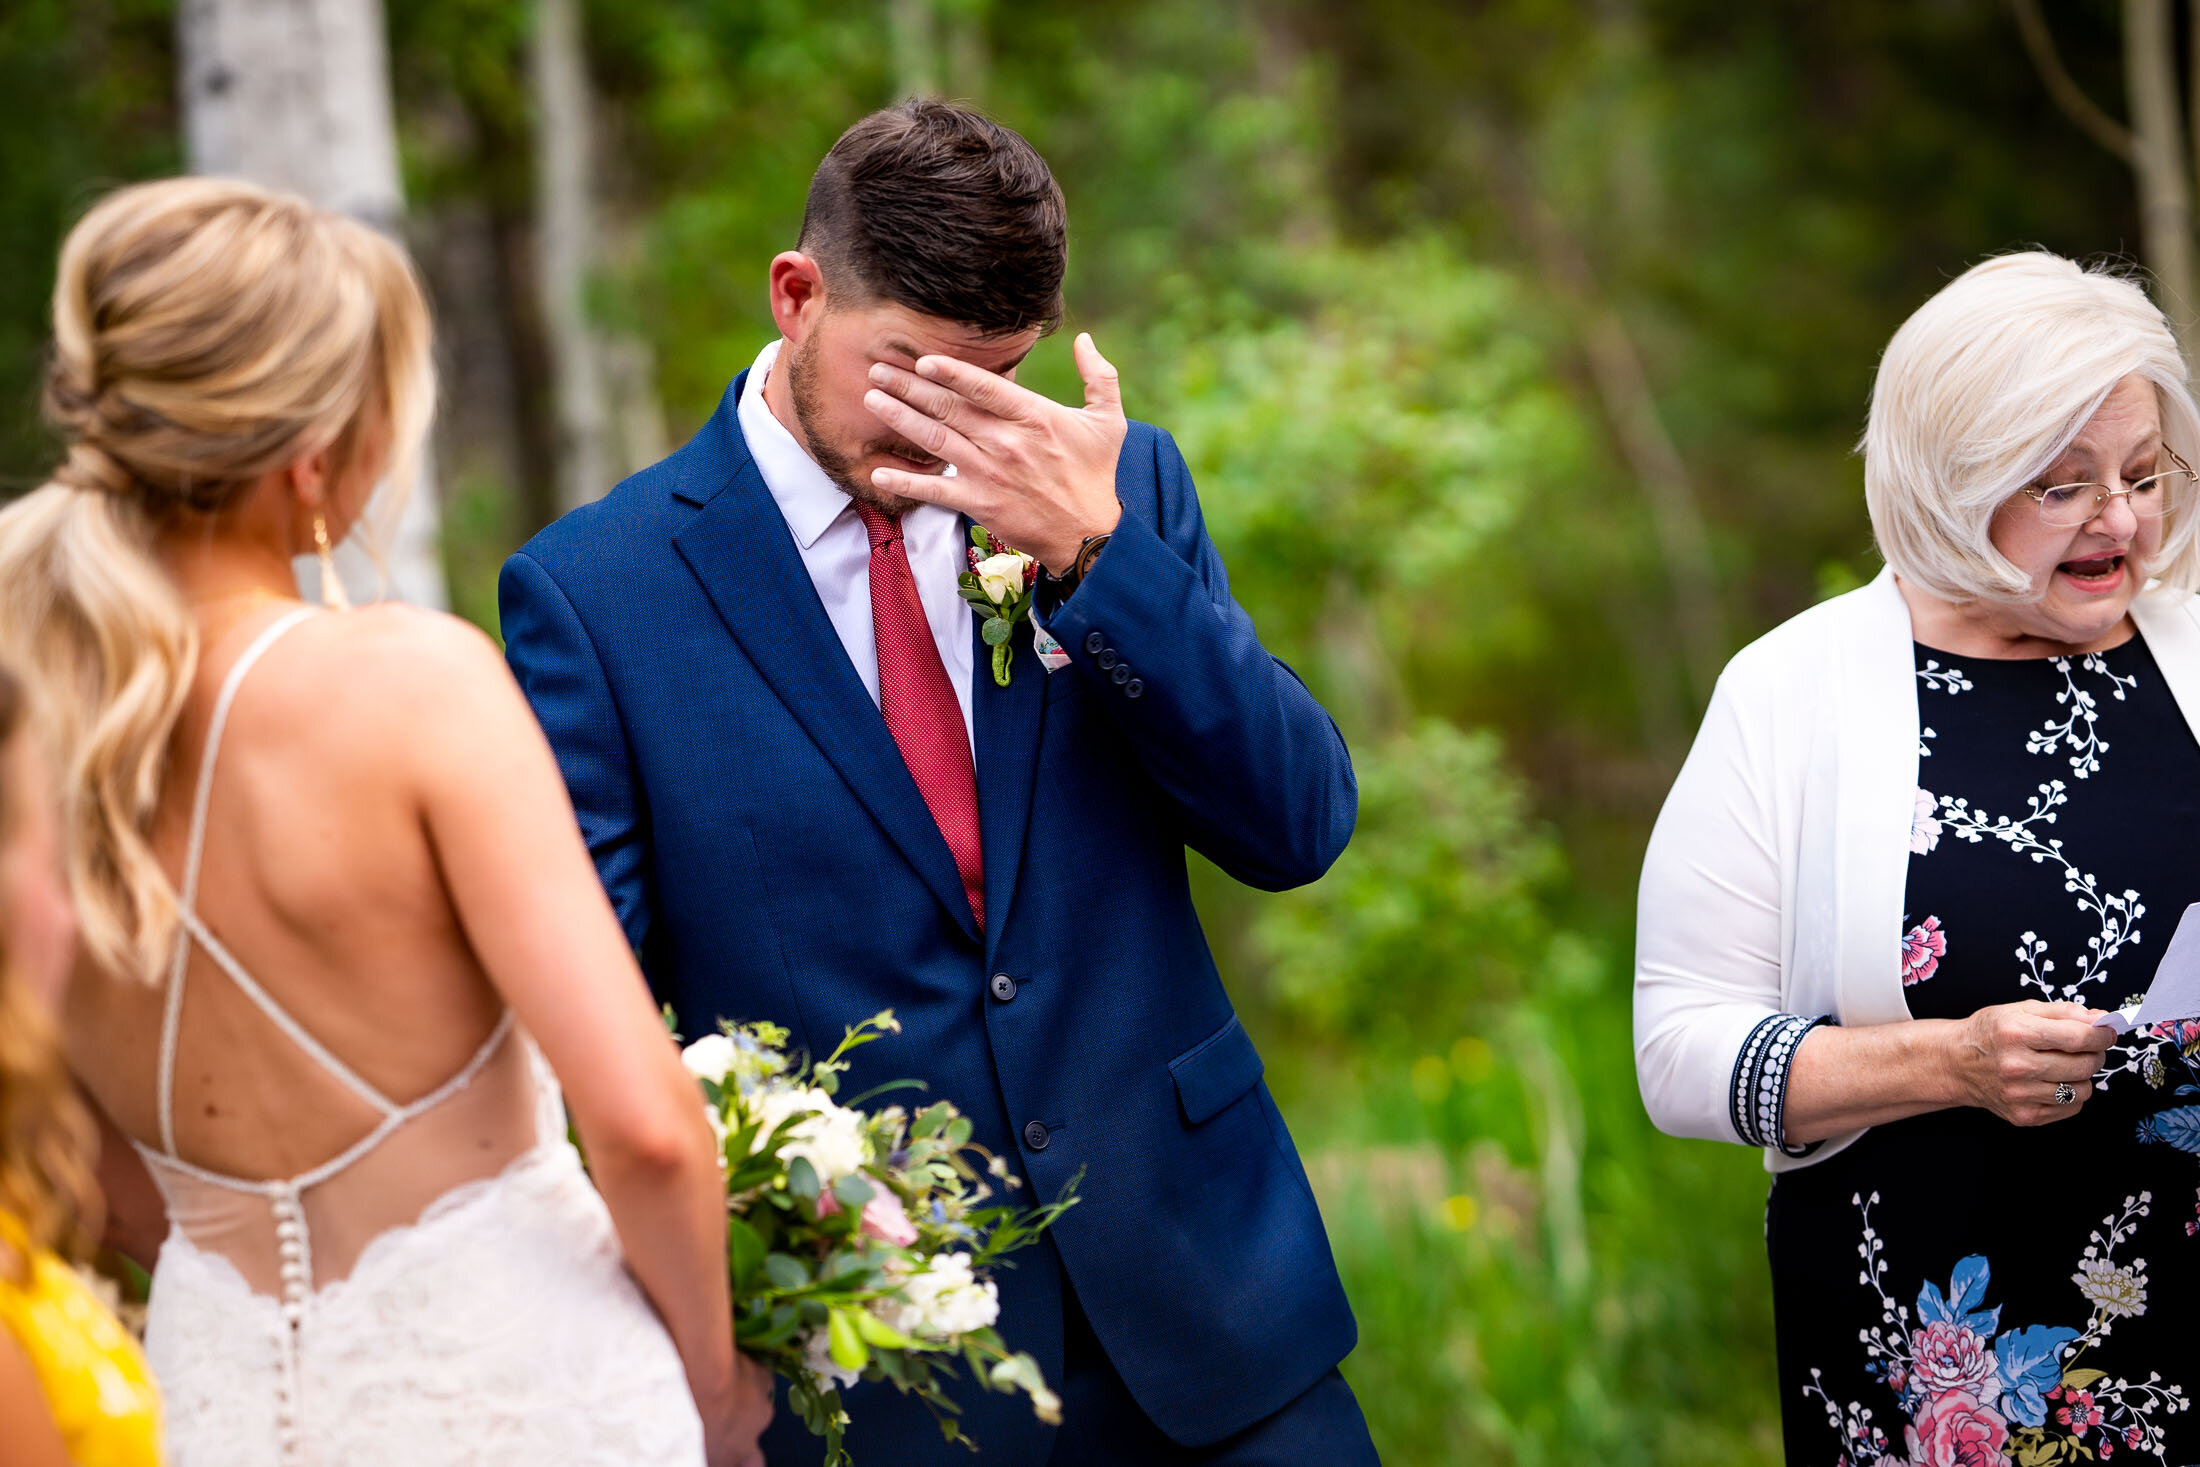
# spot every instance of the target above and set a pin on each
(1955, 1291)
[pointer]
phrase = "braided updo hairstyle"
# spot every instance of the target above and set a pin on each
(206, 333)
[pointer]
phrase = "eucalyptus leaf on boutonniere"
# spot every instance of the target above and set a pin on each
(998, 585)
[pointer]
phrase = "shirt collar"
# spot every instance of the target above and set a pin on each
(808, 499)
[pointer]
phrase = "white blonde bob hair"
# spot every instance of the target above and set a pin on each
(1984, 387)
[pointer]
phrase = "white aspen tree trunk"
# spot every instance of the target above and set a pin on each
(566, 250)
(604, 380)
(2158, 159)
(295, 94)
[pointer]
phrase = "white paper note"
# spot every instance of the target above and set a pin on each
(2175, 992)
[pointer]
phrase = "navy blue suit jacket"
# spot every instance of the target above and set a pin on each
(771, 858)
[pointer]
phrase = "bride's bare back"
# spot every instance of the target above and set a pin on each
(321, 877)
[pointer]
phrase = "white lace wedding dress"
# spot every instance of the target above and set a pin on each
(425, 1297)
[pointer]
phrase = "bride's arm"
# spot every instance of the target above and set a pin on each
(527, 893)
(136, 1219)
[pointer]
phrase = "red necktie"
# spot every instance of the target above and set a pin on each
(919, 703)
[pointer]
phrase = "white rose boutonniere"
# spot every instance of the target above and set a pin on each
(998, 585)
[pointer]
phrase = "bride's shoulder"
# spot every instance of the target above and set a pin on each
(391, 663)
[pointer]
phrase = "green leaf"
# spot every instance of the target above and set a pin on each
(853, 1191)
(849, 1270)
(930, 1120)
(996, 631)
(2078, 1380)
(744, 1252)
(786, 1271)
(802, 1179)
(877, 1332)
(845, 1338)
(958, 1132)
(978, 538)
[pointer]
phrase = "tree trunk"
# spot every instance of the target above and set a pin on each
(295, 94)
(565, 244)
(2158, 158)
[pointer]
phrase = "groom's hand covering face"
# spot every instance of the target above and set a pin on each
(827, 370)
(1037, 474)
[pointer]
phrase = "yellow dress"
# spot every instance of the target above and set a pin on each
(93, 1374)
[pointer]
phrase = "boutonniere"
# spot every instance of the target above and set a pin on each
(998, 585)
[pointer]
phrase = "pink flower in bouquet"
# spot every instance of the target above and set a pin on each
(1949, 1357)
(1923, 946)
(884, 1218)
(1954, 1430)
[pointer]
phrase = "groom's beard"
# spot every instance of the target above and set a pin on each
(802, 391)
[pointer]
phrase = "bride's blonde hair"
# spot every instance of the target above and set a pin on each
(45, 1134)
(206, 332)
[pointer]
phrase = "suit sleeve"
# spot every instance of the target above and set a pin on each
(555, 660)
(1256, 767)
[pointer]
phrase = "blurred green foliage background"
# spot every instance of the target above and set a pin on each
(1518, 348)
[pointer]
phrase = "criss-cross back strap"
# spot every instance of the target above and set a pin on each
(381, 1132)
(195, 930)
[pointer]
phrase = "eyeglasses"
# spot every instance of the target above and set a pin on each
(2065, 505)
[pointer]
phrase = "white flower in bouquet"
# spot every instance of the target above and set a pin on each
(735, 1060)
(711, 1058)
(943, 1301)
(719, 1129)
(834, 1140)
(817, 1353)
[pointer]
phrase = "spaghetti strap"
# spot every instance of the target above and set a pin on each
(171, 1016)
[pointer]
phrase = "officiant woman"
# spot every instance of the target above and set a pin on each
(1929, 831)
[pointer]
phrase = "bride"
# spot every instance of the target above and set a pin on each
(340, 925)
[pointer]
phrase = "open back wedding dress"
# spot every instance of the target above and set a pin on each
(435, 1293)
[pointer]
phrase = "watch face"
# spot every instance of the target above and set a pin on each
(1087, 555)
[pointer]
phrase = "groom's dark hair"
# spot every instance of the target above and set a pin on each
(937, 208)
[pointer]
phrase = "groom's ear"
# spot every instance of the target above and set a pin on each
(797, 294)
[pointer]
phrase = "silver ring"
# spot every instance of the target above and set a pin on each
(2065, 1093)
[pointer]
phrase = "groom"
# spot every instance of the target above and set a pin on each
(810, 799)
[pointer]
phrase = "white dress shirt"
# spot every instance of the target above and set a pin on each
(837, 553)
(1775, 879)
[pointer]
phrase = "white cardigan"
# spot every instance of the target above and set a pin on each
(1774, 882)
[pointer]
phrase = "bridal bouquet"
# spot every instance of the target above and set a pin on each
(860, 1242)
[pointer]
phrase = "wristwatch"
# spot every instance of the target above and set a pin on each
(1080, 564)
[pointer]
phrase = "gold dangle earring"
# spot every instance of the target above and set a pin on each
(332, 588)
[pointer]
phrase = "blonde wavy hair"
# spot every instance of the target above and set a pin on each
(45, 1133)
(1980, 392)
(206, 333)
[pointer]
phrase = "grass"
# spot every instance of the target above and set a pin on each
(1540, 1278)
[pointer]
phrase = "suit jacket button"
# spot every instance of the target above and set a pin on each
(1135, 688)
(1107, 659)
(1122, 675)
(1094, 641)
(1004, 987)
(1035, 1135)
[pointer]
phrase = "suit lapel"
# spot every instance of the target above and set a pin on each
(739, 547)
(1007, 724)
